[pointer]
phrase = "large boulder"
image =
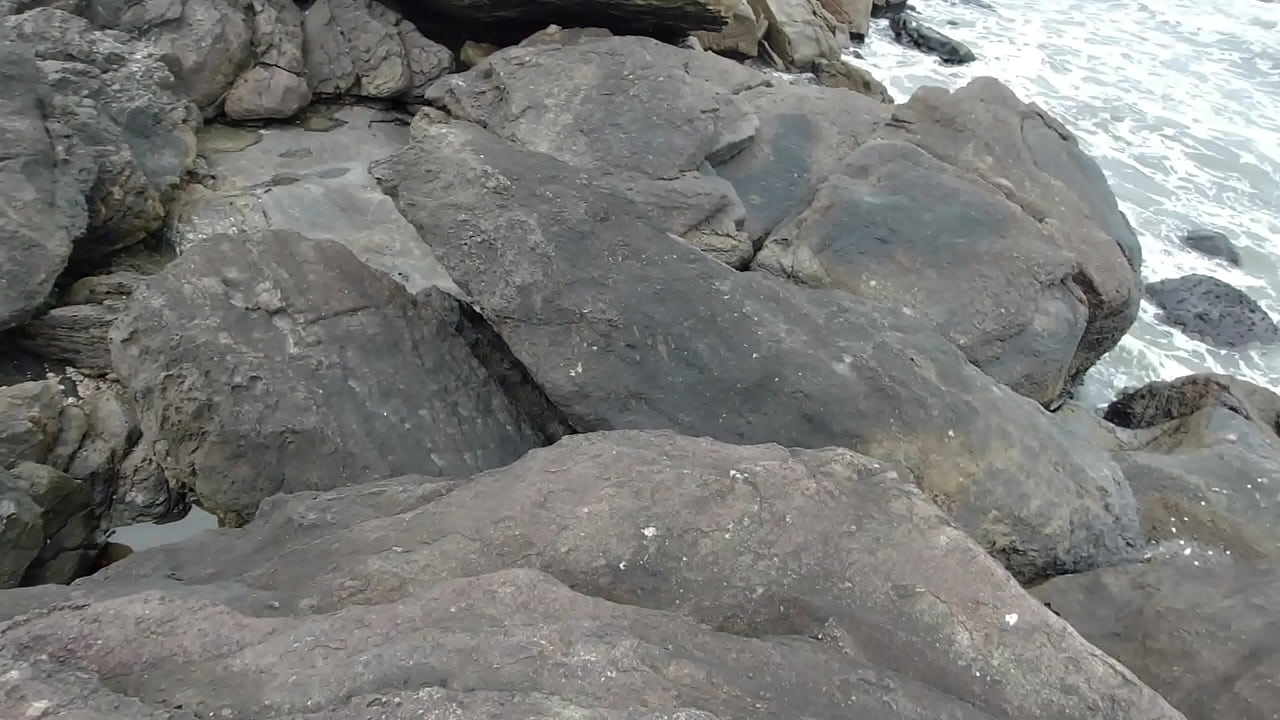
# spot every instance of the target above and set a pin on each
(276, 86)
(1204, 635)
(596, 299)
(1213, 311)
(638, 574)
(119, 119)
(801, 32)
(1207, 474)
(268, 362)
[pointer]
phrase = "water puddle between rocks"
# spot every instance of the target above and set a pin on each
(149, 535)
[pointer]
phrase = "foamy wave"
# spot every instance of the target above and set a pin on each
(1179, 101)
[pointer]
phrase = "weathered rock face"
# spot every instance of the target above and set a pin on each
(37, 197)
(1208, 474)
(21, 534)
(741, 35)
(594, 298)
(629, 570)
(801, 31)
(1202, 634)
(276, 86)
(853, 14)
(362, 47)
(119, 119)
(1213, 312)
(270, 362)
(841, 74)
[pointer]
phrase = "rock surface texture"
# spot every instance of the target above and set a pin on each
(1213, 312)
(608, 573)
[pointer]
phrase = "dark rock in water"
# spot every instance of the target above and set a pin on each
(1203, 635)
(909, 31)
(1212, 243)
(1207, 474)
(608, 573)
(594, 297)
(889, 8)
(271, 362)
(1213, 312)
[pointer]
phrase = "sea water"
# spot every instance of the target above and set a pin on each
(1179, 103)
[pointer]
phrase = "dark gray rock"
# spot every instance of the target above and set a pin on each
(122, 126)
(270, 362)
(1213, 312)
(69, 516)
(614, 571)
(1212, 243)
(21, 535)
(597, 301)
(73, 334)
(1203, 635)
(909, 31)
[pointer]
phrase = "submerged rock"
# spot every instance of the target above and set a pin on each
(909, 31)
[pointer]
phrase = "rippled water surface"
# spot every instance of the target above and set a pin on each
(1179, 102)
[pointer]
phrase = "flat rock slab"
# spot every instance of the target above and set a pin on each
(624, 326)
(1203, 635)
(315, 183)
(271, 362)
(611, 571)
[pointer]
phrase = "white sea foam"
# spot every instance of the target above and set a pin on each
(1179, 102)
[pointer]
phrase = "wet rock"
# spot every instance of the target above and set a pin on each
(21, 535)
(740, 36)
(1212, 243)
(841, 74)
(377, 382)
(909, 31)
(596, 306)
(1202, 634)
(801, 31)
(276, 86)
(118, 119)
(1213, 312)
(361, 47)
(317, 184)
(680, 575)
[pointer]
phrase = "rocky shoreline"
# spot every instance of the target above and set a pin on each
(542, 370)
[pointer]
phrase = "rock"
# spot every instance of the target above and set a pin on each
(1038, 165)
(1212, 243)
(801, 31)
(119, 118)
(212, 41)
(276, 86)
(361, 47)
(473, 53)
(29, 421)
(102, 289)
(678, 575)
(853, 14)
(112, 430)
(740, 37)
(593, 298)
(841, 74)
(35, 239)
(317, 184)
(69, 519)
(1213, 312)
(73, 334)
(21, 535)
(377, 382)
(1208, 473)
(909, 31)
(888, 8)
(1202, 635)
(669, 17)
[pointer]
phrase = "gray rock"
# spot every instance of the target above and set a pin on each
(595, 299)
(1203, 635)
(853, 14)
(21, 535)
(1213, 312)
(276, 86)
(666, 17)
(270, 362)
(69, 519)
(317, 184)
(29, 421)
(841, 74)
(361, 47)
(73, 334)
(801, 31)
(909, 31)
(120, 120)
(619, 571)
(35, 239)
(1212, 243)
(740, 36)
(902, 228)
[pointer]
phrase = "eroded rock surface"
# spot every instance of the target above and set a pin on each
(1213, 311)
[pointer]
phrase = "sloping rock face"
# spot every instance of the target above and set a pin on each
(271, 362)
(123, 129)
(1203, 634)
(822, 175)
(595, 298)
(608, 573)
(1208, 473)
